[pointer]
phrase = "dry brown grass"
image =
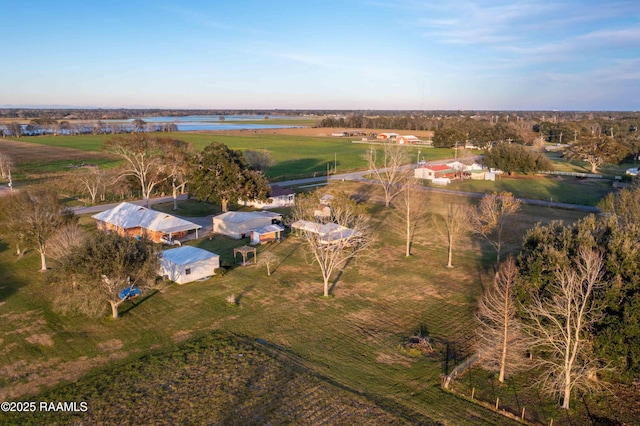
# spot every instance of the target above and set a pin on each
(25, 152)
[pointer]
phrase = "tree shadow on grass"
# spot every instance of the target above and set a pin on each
(135, 302)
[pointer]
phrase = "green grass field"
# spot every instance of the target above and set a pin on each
(296, 156)
(353, 341)
(547, 188)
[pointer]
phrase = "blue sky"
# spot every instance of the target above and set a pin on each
(359, 54)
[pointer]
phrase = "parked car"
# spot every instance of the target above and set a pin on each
(130, 292)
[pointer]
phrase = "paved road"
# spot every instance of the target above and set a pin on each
(103, 207)
(359, 177)
(356, 177)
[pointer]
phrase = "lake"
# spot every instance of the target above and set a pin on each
(215, 122)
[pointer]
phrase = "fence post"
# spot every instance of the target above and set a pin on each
(522, 417)
(497, 402)
(473, 392)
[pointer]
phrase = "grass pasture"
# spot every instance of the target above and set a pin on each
(353, 341)
(35, 158)
(296, 156)
(564, 189)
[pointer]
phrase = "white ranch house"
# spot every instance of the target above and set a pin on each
(186, 264)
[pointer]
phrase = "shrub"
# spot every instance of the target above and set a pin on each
(220, 271)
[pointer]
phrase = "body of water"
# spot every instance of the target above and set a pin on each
(218, 122)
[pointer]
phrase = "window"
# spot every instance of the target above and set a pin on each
(187, 271)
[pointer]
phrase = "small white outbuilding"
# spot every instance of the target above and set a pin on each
(185, 264)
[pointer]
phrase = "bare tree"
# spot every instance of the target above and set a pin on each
(455, 222)
(6, 164)
(33, 216)
(259, 159)
(387, 168)
(94, 181)
(143, 155)
(268, 259)
(490, 217)
(501, 345)
(412, 210)
(65, 239)
(334, 240)
(560, 327)
(177, 158)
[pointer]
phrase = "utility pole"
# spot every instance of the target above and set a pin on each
(335, 162)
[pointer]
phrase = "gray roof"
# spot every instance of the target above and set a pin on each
(127, 215)
(240, 217)
(186, 254)
(268, 229)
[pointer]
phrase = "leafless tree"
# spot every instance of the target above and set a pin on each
(268, 259)
(490, 217)
(411, 208)
(94, 181)
(177, 158)
(64, 239)
(501, 345)
(560, 327)
(455, 221)
(143, 155)
(259, 159)
(33, 216)
(6, 164)
(387, 168)
(332, 241)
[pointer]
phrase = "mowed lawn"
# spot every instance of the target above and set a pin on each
(353, 340)
(295, 156)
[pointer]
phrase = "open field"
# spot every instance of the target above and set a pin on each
(296, 156)
(539, 187)
(34, 158)
(353, 340)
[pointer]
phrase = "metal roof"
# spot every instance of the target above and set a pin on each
(128, 215)
(187, 254)
(240, 217)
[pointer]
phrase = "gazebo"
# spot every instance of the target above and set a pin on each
(244, 251)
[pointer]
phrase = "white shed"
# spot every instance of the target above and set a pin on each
(240, 224)
(185, 264)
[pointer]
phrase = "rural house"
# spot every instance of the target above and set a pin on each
(280, 197)
(240, 224)
(436, 172)
(131, 220)
(186, 264)
(408, 140)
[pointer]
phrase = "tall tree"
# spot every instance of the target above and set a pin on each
(93, 274)
(560, 326)
(490, 217)
(347, 235)
(32, 217)
(387, 168)
(455, 221)
(143, 155)
(221, 174)
(500, 341)
(178, 156)
(596, 151)
(6, 164)
(411, 209)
